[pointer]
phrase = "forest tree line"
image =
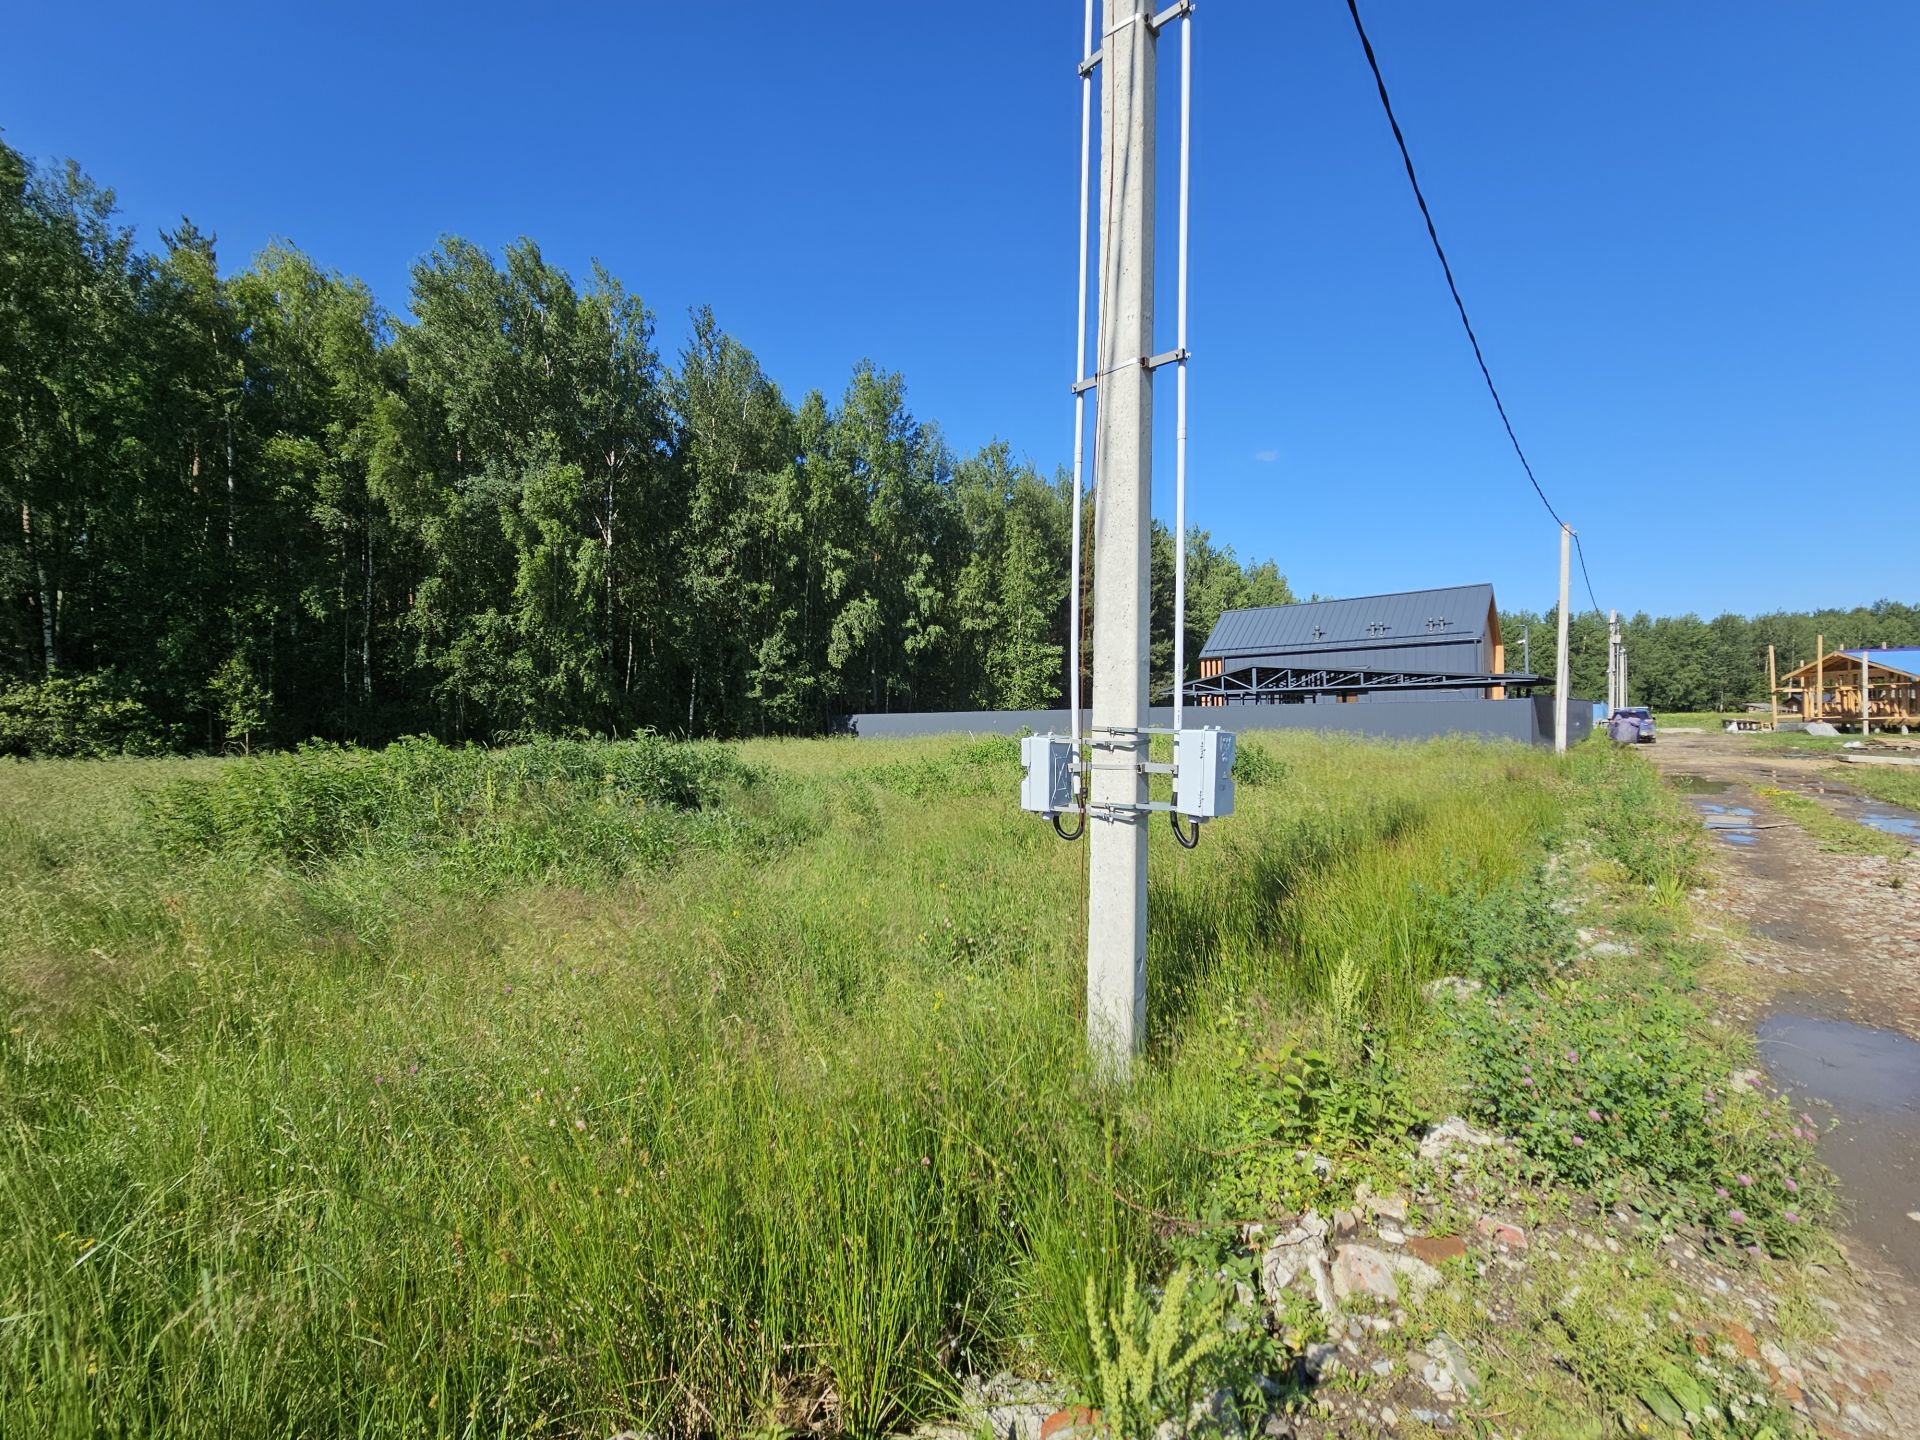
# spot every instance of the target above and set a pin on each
(1681, 662)
(258, 508)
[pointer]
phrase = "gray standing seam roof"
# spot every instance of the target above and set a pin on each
(1409, 619)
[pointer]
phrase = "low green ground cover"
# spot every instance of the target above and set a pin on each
(1897, 785)
(580, 1086)
(1834, 832)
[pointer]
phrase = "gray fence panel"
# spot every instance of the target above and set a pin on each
(1528, 720)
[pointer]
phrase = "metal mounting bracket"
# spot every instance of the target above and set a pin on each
(1172, 13)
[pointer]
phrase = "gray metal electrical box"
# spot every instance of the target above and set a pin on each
(1046, 787)
(1203, 782)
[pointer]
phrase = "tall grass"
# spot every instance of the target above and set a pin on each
(422, 1094)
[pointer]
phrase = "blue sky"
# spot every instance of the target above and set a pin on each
(1685, 233)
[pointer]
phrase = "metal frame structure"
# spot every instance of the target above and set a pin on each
(1286, 684)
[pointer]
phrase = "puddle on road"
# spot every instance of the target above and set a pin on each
(1907, 827)
(1698, 784)
(1871, 1080)
(1732, 823)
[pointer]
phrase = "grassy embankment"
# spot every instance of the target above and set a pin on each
(1897, 785)
(1834, 832)
(578, 1086)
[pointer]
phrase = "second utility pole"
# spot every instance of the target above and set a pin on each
(1123, 496)
(1560, 655)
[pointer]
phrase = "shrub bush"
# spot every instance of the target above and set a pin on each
(519, 811)
(1613, 1091)
(84, 717)
(1503, 931)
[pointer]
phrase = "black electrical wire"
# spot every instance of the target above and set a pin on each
(1587, 579)
(1406, 157)
(1185, 843)
(1073, 834)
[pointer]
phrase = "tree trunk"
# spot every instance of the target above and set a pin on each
(230, 485)
(366, 621)
(49, 598)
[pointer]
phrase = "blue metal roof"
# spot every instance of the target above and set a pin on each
(1410, 620)
(1905, 658)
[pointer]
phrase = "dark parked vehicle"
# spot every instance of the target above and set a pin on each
(1640, 716)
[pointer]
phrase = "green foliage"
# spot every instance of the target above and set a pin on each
(1846, 837)
(1255, 764)
(989, 765)
(378, 1050)
(1682, 665)
(664, 1147)
(1296, 1111)
(1613, 1090)
(1148, 1356)
(1895, 785)
(518, 812)
(1633, 819)
(240, 701)
(85, 716)
(1611, 1330)
(283, 513)
(1505, 931)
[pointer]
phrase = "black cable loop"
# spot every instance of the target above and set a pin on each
(1185, 843)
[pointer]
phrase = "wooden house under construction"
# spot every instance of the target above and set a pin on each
(1853, 689)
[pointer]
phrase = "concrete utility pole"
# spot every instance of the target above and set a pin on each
(1526, 648)
(1117, 900)
(1773, 691)
(1613, 661)
(1560, 657)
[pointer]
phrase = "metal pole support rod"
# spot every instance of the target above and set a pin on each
(1560, 696)
(1079, 396)
(1180, 382)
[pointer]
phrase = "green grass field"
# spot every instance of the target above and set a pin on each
(577, 1087)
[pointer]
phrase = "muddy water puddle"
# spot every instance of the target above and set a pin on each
(1697, 784)
(1850, 804)
(1892, 822)
(1731, 823)
(1870, 1080)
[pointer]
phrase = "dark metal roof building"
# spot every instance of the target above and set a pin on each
(1416, 640)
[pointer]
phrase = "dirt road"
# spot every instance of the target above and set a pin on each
(1833, 942)
(1841, 928)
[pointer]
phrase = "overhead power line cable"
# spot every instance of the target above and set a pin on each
(1581, 551)
(1406, 157)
